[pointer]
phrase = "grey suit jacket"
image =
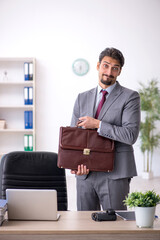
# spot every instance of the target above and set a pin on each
(120, 121)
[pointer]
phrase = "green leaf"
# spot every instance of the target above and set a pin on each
(150, 98)
(139, 199)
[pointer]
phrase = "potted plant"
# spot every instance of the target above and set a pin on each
(150, 107)
(145, 205)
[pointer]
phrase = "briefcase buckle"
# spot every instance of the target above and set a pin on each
(86, 151)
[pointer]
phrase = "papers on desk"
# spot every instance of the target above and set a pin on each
(3, 209)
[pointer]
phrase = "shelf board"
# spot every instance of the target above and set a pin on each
(16, 130)
(17, 107)
(17, 59)
(25, 83)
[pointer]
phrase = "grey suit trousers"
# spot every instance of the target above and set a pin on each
(98, 192)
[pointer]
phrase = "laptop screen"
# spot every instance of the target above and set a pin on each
(32, 204)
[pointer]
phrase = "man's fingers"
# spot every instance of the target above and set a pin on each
(81, 170)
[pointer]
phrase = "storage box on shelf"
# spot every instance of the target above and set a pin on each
(2, 124)
(13, 104)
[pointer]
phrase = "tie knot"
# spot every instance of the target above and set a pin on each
(104, 92)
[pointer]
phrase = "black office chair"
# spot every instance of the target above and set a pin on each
(33, 170)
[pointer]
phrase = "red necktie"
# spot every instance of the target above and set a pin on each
(101, 103)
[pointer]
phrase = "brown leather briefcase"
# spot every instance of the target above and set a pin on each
(84, 146)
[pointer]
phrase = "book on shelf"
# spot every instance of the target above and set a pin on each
(3, 206)
(28, 142)
(2, 218)
(26, 98)
(28, 119)
(3, 209)
(28, 95)
(28, 71)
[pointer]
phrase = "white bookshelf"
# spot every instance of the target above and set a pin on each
(12, 105)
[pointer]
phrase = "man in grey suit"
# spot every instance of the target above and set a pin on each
(119, 119)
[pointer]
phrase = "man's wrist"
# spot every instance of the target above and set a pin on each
(98, 130)
(97, 123)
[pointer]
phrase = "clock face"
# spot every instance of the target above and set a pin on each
(80, 67)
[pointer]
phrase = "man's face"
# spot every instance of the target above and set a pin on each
(109, 69)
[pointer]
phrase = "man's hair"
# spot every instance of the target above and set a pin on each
(113, 53)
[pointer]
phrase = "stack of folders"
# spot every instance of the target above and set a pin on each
(3, 209)
(28, 119)
(28, 95)
(28, 71)
(28, 142)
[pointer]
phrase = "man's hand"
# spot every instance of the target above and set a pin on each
(88, 122)
(82, 170)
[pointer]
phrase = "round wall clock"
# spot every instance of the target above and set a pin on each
(80, 67)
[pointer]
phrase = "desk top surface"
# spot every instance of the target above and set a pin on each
(74, 222)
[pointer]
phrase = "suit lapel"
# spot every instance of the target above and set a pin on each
(91, 98)
(110, 100)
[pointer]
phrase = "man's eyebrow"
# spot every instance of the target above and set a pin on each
(116, 65)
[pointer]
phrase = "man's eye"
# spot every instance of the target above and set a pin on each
(115, 69)
(105, 65)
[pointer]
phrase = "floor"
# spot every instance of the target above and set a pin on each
(137, 184)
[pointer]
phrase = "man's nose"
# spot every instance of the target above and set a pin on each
(108, 71)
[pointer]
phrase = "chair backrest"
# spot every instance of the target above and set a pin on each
(33, 170)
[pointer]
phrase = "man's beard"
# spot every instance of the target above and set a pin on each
(107, 82)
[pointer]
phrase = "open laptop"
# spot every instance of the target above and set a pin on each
(32, 204)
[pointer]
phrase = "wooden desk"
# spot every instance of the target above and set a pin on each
(79, 226)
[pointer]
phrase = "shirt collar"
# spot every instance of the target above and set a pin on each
(109, 89)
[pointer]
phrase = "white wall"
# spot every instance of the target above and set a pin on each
(58, 32)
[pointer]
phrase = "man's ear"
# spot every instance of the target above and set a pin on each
(120, 72)
(98, 65)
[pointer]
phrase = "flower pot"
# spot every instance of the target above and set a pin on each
(145, 216)
(147, 175)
